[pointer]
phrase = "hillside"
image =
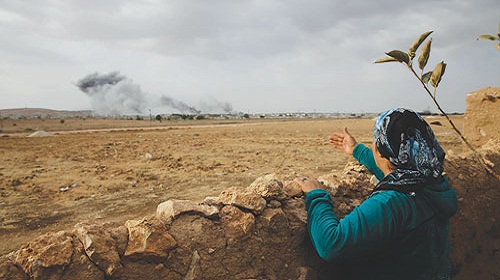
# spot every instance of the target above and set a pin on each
(42, 113)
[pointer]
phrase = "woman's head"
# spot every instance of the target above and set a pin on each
(403, 138)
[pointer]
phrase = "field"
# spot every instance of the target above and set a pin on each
(104, 170)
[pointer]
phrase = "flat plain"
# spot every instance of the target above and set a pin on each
(105, 170)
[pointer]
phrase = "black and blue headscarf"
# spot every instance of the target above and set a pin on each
(404, 138)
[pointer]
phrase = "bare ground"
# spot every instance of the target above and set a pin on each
(110, 171)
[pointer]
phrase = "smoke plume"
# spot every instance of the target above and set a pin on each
(93, 82)
(216, 106)
(179, 105)
(115, 94)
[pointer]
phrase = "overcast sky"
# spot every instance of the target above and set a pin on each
(259, 56)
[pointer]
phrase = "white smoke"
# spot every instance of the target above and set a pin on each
(214, 106)
(115, 94)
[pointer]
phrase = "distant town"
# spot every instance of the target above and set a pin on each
(38, 113)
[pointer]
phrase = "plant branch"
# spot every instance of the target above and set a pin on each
(433, 97)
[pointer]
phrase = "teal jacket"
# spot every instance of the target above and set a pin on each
(391, 235)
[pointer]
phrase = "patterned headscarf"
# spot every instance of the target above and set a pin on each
(407, 141)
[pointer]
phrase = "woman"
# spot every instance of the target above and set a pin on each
(401, 230)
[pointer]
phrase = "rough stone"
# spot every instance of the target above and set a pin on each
(354, 167)
(268, 186)
(236, 223)
(274, 204)
(120, 235)
(168, 210)
(273, 218)
(331, 182)
(212, 200)
(9, 270)
(481, 116)
(296, 215)
(46, 256)
(81, 267)
(296, 208)
(148, 239)
(273, 226)
(244, 199)
(292, 189)
(351, 184)
(194, 268)
(100, 246)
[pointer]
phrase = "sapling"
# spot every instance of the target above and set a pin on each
(433, 77)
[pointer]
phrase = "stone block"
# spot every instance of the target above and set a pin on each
(243, 198)
(269, 187)
(236, 223)
(100, 247)
(148, 240)
(168, 210)
(47, 256)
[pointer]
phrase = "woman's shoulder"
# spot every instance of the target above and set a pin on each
(391, 195)
(392, 200)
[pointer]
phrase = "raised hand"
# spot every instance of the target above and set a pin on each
(343, 141)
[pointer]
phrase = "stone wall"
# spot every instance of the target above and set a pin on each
(475, 229)
(482, 116)
(254, 233)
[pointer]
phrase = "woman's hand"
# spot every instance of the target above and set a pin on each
(307, 184)
(343, 141)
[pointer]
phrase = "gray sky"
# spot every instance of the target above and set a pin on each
(259, 56)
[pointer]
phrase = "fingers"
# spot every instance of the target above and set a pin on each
(340, 136)
(343, 141)
(301, 183)
(337, 137)
(337, 140)
(308, 184)
(337, 144)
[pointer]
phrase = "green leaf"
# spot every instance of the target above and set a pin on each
(399, 56)
(488, 37)
(424, 56)
(437, 74)
(426, 77)
(414, 46)
(386, 59)
(498, 47)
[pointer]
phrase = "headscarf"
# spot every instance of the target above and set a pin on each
(404, 138)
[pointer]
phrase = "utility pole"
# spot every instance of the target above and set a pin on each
(150, 118)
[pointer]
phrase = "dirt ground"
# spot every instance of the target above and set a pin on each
(103, 170)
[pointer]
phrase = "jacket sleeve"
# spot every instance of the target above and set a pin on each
(364, 155)
(367, 229)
